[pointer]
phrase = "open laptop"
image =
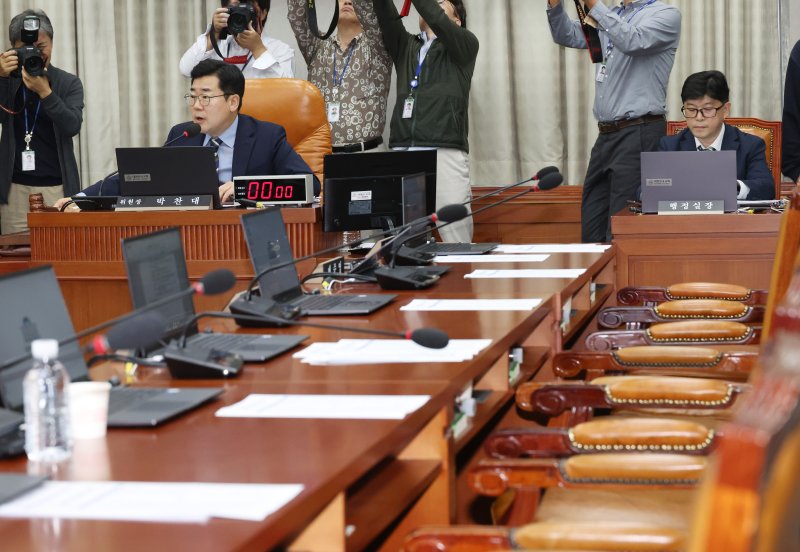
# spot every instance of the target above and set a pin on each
(681, 176)
(177, 170)
(268, 244)
(34, 308)
(156, 268)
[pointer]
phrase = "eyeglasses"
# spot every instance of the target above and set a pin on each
(708, 112)
(204, 99)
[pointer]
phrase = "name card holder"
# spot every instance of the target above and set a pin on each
(165, 203)
(693, 207)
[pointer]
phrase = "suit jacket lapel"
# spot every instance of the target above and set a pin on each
(687, 141)
(245, 140)
(730, 140)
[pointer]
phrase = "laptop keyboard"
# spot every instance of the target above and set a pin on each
(122, 398)
(317, 302)
(230, 342)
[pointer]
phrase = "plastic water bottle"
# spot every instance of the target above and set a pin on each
(47, 430)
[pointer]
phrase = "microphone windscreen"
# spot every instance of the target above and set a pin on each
(545, 171)
(452, 212)
(137, 333)
(217, 281)
(430, 338)
(192, 129)
(550, 181)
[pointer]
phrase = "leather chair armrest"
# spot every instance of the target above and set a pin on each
(642, 296)
(619, 537)
(609, 434)
(687, 332)
(458, 539)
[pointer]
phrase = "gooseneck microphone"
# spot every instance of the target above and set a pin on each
(138, 332)
(186, 362)
(535, 178)
(448, 213)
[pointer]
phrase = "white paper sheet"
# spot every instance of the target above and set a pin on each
(472, 305)
(151, 502)
(551, 248)
(388, 351)
(340, 407)
(490, 258)
(528, 273)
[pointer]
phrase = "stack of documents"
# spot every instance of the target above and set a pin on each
(569, 273)
(152, 502)
(388, 351)
(472, 305)
(336, 407)
(551, 248)
(490, 258)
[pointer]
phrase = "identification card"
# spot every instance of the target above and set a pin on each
(601, 73)
(334, 112)
(28, 160)
(408, 108)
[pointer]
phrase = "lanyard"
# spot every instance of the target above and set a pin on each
(619, 13)
(415, 81)
(29, 130)
(337, 80)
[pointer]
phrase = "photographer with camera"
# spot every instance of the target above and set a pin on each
(237, 35)
(41, 109)
(353, 71)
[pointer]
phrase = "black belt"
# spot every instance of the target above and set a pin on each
(614, 126)
(359, 146)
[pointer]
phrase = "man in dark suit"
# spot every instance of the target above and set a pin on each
(706, 103)
(245, 146)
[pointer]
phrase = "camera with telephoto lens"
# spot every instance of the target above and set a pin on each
(239, 17)
(29, 56)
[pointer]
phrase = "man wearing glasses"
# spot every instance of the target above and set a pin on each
(244, 146)
(706, 104)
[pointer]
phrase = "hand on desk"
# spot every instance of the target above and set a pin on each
(63, 201)
(226, 192)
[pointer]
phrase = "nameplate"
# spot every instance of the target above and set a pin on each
(165, 202)
(694, 207)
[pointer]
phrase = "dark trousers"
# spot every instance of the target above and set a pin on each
(614, 176)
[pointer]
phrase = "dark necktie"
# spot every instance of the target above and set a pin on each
(701, 148)
(215, 143)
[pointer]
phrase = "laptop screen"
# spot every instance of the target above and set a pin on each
(688, 176)
(268, 244)
(156, 268)
(33, 308)
(182, 170)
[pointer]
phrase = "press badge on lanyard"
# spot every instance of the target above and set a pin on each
(408, 105)
(28, 155)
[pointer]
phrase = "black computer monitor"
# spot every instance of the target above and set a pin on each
(365, 191)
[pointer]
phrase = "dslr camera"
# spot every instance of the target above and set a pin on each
(29, 56)
(239, 18)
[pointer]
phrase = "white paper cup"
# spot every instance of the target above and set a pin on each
(88, 409)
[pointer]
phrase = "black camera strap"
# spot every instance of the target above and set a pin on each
(312, 19)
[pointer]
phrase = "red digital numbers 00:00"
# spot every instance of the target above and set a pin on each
(260, 191)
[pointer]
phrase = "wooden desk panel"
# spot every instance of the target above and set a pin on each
(655, 250)
(85, 250)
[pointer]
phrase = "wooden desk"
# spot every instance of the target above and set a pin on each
(86, 253)
(655, 250)
(373, 477)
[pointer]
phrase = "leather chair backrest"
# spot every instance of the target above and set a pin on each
(298, 106)
(769, 131)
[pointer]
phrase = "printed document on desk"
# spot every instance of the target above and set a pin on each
(472, 305)
(388, 351)
(490, 258)
(528, 273)
(510, 249)
(151, 502)
(336, 407)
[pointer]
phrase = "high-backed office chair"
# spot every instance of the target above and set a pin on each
(299, 107)
(769, 131)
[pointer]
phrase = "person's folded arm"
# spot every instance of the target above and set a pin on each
(657, 30)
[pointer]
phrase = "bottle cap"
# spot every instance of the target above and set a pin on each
(44, 349)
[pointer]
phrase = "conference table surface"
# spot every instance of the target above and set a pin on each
(329, 458)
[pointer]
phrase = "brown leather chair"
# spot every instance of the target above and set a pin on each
(298, 106)
(769, 131)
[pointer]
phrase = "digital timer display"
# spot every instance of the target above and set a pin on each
(289, 189)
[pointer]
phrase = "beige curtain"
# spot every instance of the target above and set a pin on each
(531, 101)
